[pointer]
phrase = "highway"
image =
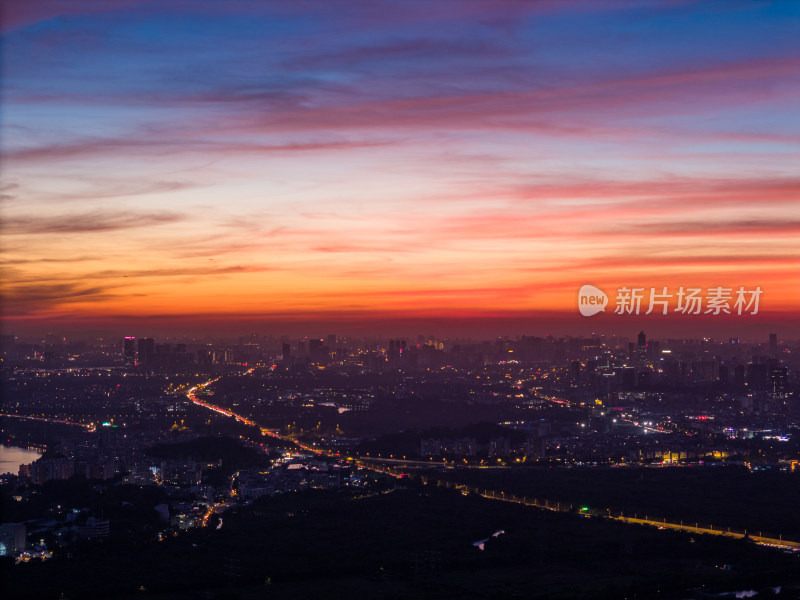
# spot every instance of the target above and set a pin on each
(192, 395)
(758, 539)
(379, 465)
(779, 542)
(91, 427)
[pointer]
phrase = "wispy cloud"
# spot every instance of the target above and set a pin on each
(39, 299)
(91, 222)
(159, 146)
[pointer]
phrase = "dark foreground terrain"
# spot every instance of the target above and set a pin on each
(724, 496)
(408, 543)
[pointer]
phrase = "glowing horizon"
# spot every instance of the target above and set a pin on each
(262, 162)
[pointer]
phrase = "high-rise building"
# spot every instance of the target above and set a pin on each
(738, 376)
(773, 345)
(129, 351)
(147, 349)
(641, 345)
(778, 379)
(12, 538)
(317, 351)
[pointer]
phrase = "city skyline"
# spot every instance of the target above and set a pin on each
(455, 167)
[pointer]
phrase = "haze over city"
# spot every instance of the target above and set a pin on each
(475, 299)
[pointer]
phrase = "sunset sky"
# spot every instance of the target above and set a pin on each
(241, 166)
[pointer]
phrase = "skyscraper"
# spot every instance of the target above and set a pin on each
(317, 350)
(147, 349)
(642, 345)
(129, 351)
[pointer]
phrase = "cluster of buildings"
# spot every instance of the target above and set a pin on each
(464, 447)
(293, 475)
(26, 541)
(592, 401)
(47, 468)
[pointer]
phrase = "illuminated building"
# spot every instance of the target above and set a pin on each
(12, 538)
(129, 351)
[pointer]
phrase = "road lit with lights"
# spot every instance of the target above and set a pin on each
(90, 427)
(373, 464)
(192, 395)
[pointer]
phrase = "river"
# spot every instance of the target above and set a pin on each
(11, 458)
